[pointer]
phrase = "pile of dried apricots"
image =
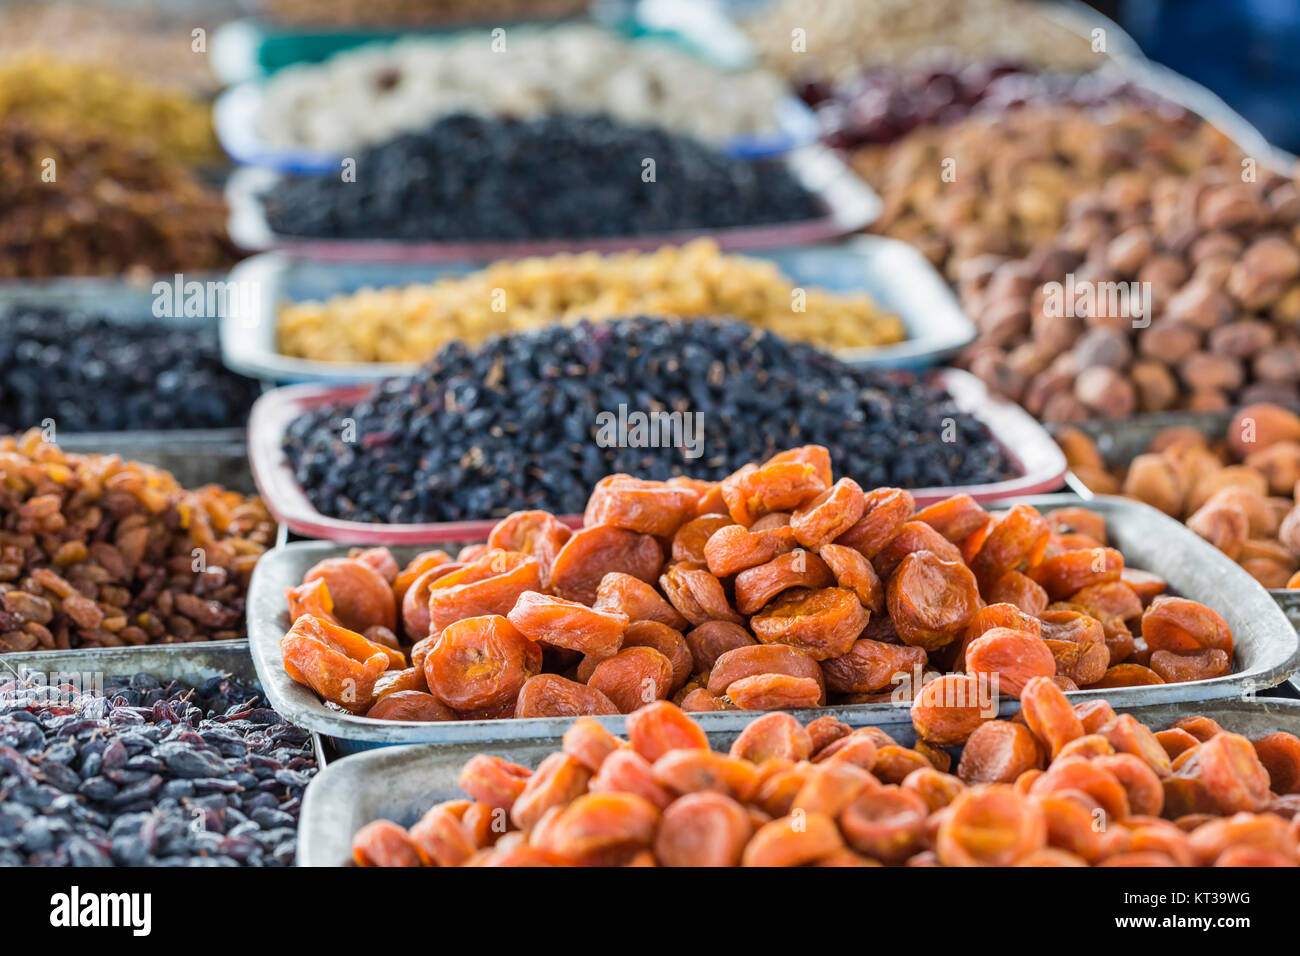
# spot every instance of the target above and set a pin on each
(1070, 786)
(776, 588)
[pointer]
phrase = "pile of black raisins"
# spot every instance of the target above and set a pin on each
(551, 177)
(89, 373)
(513, 424)
(150, 774)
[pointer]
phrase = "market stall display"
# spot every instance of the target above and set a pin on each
(368, 95)
(104, 208)
(144, 378)
(1157, 293)
(1068, 786)
(517, 423)
(98, 552)
(1236, 488)
(411, 13)
(776, 587)
(153, 773)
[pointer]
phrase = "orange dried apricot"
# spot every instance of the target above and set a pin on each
(599, 829)
(756, 586)
(697, 595)
(1048, 714)
(830, 787)
(732, 548)
(633, 677)
(756, 659)
(824, 623)
(1233, 775)
(783, 485)
(853, 571)
(647, 507)
(793, 841)
(772, 736)
(492, 781)
(1075, 520)
(481, 662)
(1177, 624)
(774, 692)
(1094, 715)
(415, 568)
(636, 599)
(1146, 794)
(1072, 823)
(1017, 540)
(931, 599)
(833, 512)
(589, 743)
(660, 727)
(1128, 675)
(708, 494)
(937, 788)
(1008, 659)
(1175, 668)
(886, 823)
(339, 664)
(489, 585)
(626, 771)
(703, 829)
(998, 751)
(885, 510)
(697, 700)
(712, 639)
(1064, 574)
(557, 782)
(1019, 589)
(816, 455)
(1280, 754)
(690, 538)
(668, 642)
(384, 843)
(956, 518)
(596, 551)
(946, 711)
(990, 826)
(691, 771)
(550, 695)
(871, 666)
(1085, 776)
(912, 537)
(1176, 741)
(439, 836)
(410, 705)
(536, 533)
(310, 597)
(360, 594)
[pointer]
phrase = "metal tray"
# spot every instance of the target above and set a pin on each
(850, 206)
(401, 783)
(1267, 645)
(1042, 465)
(192, 663)
(1121, 441)
(896, 277)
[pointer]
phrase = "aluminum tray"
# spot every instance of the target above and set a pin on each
(1121, 441)
(401, 783)
(1267, 645)
(850, 206)
(1042, 465)
(895, 276)
(192, 663)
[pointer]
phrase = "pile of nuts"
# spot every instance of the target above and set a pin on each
(98, 552)
(413, 13)
(90, 98)
(1070, 786)
(370, 94)
(841, 36)
(1003, 183)
(76, 205)
(774, 588)
(408, 324)
(1240, 493)
(1206, 316)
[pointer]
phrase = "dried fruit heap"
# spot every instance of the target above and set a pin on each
(1069, 787)
(1238, 494)
(98, 552)
(774, 588)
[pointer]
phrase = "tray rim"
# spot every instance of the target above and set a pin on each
(300, 704)
(1031, 447)
(942, 330)
(334, 788)
(850, 206)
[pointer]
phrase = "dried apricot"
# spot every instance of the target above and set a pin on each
(536, 533)
(481, 662)
(589, 743)
(395, 681)
(339, 664)
(1072, 823)
(772, 736)
(1234, 777)
(597, 551)
(947, 710)
(1202, 728)
(1063, 574)
(384, 843)
(990, 826)
(1214, 838)
(698, 700)
(830, 787)
(1094, 715)
(557, 782)
(647, 507)
(633, 677)
(935, 787)
(1175, 668)
(1008, 659)
(998, 751)
(783, 485)
(410, 705)
(310, 597)
(1017, 540)
(886, 823)
(1146, 794)
(555, 621)
(1176, 741)
(690, 771)
(1019, 589)
(732, 548)
(708, 494)
(360, 594)
(826, 730)
(1078, 521)
(598, 829)
(1128, 675)
(703, 829)
(912, 537)
(1280, 754)
(1085, 776)
(493, 781)
(755, 659)
(858, 748)
(853, 571)
(930, 599)
(690, 539)
(697, 595)
(490, 585)
(755, 587)
(774, 692)
(1049, 715)
(816, 455)
(956, 518)
(439, 836)
(636, 599)
(626, 771)
(1145, 585)
(1177, 624)
(667, 641)
(871, 666)
(550, 695)
(830, 514)
(793, 841)
(824, 623)
(712, 639)
(884, 512)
